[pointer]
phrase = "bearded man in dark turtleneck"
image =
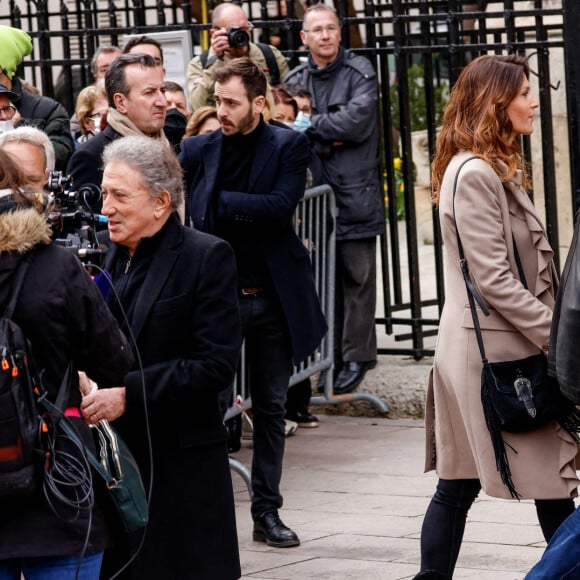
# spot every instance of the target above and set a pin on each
(244, 182)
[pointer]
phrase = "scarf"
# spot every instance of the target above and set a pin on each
(123, 125)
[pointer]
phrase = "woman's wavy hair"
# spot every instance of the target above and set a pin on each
(86, 101)
(476, 118)
(196, 121)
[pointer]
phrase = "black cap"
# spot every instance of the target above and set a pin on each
(6, 91)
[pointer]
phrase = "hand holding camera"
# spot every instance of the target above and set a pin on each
(233, 39)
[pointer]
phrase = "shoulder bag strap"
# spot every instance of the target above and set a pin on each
(273, 70)
(21, 270)
(472, 293)
(519, 264)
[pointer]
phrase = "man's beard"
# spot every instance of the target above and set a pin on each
(244, 126)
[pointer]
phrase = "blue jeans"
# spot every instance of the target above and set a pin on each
(52, 568)
(561, 560)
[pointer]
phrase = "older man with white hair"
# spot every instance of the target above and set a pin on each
(33, 151)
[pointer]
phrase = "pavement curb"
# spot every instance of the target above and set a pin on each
(399, 381)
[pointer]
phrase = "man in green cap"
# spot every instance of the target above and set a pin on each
(36, 110)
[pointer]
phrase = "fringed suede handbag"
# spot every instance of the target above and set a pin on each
(517, 395)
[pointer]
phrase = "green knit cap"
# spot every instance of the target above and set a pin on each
(15, 44)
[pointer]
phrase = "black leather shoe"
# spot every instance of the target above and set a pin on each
(351, 376)
(303, 419)
(270, 529)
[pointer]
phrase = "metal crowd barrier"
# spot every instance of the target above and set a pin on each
(314, 225)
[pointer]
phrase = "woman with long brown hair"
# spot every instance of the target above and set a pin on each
(479, 149)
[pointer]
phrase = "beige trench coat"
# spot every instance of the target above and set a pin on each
(458, 442)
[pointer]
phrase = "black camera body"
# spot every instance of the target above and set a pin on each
(237, 37)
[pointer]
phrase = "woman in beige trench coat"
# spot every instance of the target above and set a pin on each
(490, 107)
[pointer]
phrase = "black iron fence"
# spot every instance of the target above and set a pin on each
(418, 47)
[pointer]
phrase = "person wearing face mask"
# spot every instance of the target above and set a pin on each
(8, 112)
(177, 114)
(285, 107)
(91, 112)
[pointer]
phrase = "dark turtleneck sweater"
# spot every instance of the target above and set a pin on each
(236, 161)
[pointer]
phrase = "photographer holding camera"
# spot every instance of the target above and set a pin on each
(230, 38)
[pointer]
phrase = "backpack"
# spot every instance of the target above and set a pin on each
(273, 70)
(20, 455)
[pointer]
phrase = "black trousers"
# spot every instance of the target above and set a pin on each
(444, 524)
(298, 399)
(269, 359)
(355, 336)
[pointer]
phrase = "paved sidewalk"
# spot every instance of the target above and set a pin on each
(355, 493)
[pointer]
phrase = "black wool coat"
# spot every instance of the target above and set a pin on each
(265, 211)
(185, 320)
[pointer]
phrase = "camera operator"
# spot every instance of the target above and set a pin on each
(33, 152)
(230, 38)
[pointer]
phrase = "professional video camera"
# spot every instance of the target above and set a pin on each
(75, 223)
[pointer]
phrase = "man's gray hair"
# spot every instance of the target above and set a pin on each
(155, 161)
(101, 50)
(36, 138)
(318, 8)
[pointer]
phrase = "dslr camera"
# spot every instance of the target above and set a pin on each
(237, 37)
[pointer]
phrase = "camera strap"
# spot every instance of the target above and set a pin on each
(272, 66)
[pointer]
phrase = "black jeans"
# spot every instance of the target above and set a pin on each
(269, 359)
(444, 524)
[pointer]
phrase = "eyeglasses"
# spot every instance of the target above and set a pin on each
(8, 111)
(318, 30)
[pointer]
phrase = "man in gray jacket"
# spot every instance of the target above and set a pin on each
(344, 132)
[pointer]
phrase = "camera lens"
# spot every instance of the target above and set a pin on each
(237, 37)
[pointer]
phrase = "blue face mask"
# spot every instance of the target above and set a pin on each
(302, 122)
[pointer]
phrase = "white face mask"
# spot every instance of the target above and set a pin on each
(302, 122)
(6, 126)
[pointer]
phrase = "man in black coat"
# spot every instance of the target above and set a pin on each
(136, 92)
(244, 182)
(177, 288)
